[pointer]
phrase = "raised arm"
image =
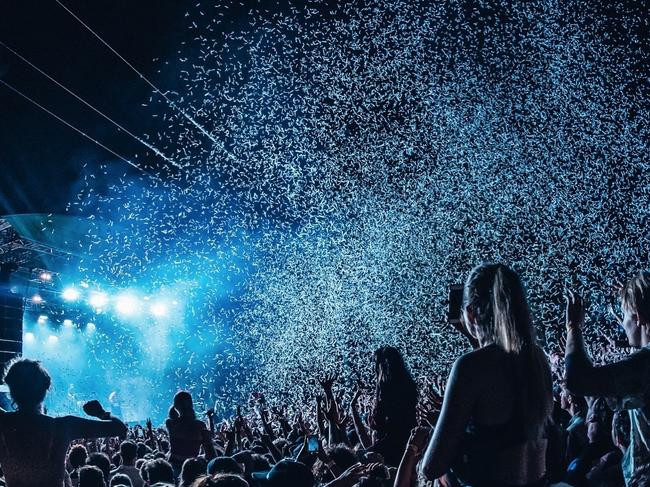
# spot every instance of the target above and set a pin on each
(78, 428)
(359, 427)
(108, 425)
(583, 378)
(460, 397)
(406, 473)
(206, 442)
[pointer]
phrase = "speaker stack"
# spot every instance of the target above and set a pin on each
(11, 328)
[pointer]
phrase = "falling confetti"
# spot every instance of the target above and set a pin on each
(370, 154)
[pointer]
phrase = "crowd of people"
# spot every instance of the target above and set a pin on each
(509, 414)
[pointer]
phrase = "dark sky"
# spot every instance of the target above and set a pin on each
(41, 158)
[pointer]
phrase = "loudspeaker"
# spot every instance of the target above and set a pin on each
(11, 326)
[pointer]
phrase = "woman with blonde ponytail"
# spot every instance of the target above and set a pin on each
(499, 397)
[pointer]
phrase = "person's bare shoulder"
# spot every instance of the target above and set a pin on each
(478, 363)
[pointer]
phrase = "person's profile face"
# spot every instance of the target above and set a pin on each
(631, 326)
(467, 318)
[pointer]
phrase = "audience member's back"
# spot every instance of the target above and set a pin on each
(128, 455)
(499, 397)
(33, 445)
(186, 433)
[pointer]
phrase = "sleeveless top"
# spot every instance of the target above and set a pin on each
(186, 436)
(477, 463)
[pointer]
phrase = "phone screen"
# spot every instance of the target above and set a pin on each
(455, 302)
(312, 443)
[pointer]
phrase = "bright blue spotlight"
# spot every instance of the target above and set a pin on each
(42, 319)
(71, 294)
(158, 309)
(98, 300)
(29, 337)
(67, 323)
(126, 304)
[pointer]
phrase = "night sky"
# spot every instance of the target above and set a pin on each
(41, 158)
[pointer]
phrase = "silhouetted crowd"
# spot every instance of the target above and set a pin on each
(509, 414)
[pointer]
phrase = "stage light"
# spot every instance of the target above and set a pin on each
(71, 294)
(29, 337)
(42, 319)
(67, 323)
(158, 309)
(37, 299)
(126, 304)
(46, 276)
(52, 340)
(98, 300)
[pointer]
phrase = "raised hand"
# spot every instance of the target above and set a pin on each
(419, 438)
(277, 412)
(327, 382)
(376, 469)
(575, 310)
(356, 396)
(429, 407)
(95, 409)
(353, 474)
(332, 412)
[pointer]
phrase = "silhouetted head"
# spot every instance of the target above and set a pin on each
(183, 405)
(128, 452)
(389, 364)
(120, 480)
(221, 480)
(192, 469)
(102, 462)
(158, 470)
(77, 456)
(91, 476)
(28, 383)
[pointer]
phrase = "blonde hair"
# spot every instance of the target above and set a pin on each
(635, 294)
(498, 301)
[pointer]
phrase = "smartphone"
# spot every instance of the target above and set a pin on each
(455, 303)
(312, 443)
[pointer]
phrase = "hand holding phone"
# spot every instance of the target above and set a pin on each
(312, 443)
